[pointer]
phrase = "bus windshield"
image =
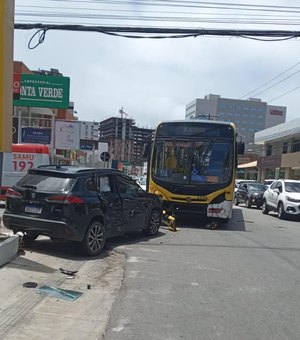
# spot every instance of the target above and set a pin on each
(193, 162)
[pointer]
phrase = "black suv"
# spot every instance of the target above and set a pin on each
(80, 204)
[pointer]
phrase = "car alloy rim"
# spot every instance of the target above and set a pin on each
(96, 238)
(154, 222)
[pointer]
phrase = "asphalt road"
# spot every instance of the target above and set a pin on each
(238, 282)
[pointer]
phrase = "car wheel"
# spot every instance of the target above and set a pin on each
(247, 203)
(236, 202)
(94, 239)
(153, 224)
(29, 237)
(264, 208)
(281, 212)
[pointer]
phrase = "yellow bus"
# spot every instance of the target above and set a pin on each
(192, 167)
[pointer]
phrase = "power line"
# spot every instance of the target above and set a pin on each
(160, 33)
(268, 82)
(284, 94)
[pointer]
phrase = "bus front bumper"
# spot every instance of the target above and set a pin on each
(221, 210)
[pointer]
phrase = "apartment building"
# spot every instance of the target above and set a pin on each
(125, 140)
(249, 116)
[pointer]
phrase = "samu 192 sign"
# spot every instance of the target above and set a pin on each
(41, 91)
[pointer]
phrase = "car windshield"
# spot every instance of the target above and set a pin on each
(256, 187)
(292, 186)
(46, 183)
(193, 162)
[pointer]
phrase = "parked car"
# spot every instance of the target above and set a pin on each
(283, 196)
(80, 204)
(268, 182)
(238, 182)
(250, 194)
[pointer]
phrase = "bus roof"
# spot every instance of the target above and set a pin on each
(196, 121)
(30, 148)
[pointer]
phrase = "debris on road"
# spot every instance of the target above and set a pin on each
(30, 284)
(64, 294)
(68, 272)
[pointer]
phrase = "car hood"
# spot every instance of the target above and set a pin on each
(295, 195)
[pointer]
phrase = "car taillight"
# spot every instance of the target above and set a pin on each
(13, 193)
(65, 199)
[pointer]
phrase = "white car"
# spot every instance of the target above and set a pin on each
(268, 182)
(283, 196)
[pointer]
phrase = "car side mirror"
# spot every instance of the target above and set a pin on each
(276, 190)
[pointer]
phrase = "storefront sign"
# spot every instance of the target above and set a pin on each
(42, 91)
(86, 146)
(36, 135)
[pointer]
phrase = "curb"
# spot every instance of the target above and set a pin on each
(8, 249)
(9, 246)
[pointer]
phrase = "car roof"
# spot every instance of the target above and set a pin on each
(72, 170)
(288, 180)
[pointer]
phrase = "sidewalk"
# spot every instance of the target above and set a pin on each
(25, 314)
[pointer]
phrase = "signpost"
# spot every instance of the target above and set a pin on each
(105, 156)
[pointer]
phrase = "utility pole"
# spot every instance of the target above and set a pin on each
(123, 137)
(6, 73)
(7, 8)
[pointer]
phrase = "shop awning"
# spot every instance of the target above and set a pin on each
(248, 165)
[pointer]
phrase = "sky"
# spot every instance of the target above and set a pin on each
(154, 79)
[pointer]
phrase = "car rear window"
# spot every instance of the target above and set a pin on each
(46, 183)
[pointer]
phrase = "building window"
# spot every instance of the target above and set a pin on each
(269, 150)
(285, 147)
(295, 145)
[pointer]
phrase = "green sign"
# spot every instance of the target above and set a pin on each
(43, 91)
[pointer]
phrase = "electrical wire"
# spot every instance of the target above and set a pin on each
(268, 82)
(284, 94)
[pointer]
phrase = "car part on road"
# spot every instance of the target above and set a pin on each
(169, 221)
(68, 272)
(30, 284)
(64, 294)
